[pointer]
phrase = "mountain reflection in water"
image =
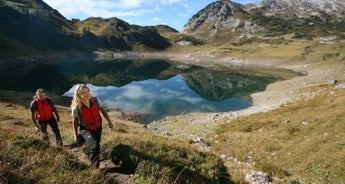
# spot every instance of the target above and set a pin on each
(154, 99)
(153, 87)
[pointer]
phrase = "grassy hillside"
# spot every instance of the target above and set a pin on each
(300, 142)
(144, 157)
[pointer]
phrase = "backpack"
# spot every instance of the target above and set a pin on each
(94, 100)
(91, 126)
(43, 114)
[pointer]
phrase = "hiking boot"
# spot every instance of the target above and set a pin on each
(59, 142)
(46, 140)
(95, 163)
(45, 137)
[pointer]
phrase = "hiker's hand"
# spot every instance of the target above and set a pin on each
(80, 139)
(110, 125)
(37, 129)
(76, 138)
(58, 119)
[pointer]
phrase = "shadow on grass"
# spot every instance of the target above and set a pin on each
(176, 170)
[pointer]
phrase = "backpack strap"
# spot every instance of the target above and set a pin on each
(95, 99)
(49, 101)
(79, 116)
(35, 101)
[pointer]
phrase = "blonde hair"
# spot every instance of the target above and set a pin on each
(38, 91)
(77, 95)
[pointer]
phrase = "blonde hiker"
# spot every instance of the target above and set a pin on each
(85, 113)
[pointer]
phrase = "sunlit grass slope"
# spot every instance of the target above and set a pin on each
(302, 141)
(149, 157)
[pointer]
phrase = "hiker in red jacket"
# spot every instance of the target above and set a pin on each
(85, 112)
(42, 111)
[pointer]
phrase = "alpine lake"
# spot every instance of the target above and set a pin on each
(153, 88)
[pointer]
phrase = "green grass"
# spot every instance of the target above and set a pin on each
(162, 160)
(27, 159)
(149, 157)
(299, 142)
(302, 141)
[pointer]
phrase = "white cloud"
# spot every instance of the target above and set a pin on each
(170, 1)
(145, 108)
(131, 3)
(135, 92)
(132, 13)
(156, 19)
(139, 12)
(182, 15)
(92, 8)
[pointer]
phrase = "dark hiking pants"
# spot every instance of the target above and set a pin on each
(53, 124)
(93, 138)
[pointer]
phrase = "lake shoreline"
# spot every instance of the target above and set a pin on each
(275, 94)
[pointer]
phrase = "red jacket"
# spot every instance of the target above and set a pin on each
(43, 109)
(90, 117)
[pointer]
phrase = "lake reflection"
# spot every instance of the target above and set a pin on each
(155, 99)
(153, 87)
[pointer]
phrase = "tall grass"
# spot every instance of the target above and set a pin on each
(303, 141)
(149, 157)
(28, 159)
(156, 159)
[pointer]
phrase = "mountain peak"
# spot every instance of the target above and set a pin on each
(224, 13)
(267, 17)
(302, 8)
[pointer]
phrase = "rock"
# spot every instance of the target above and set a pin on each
(183, 67)
(10, 105)
(305, 123)
(287, 121)
(198, 139)
(340, 86)
(222, 156)
(258, 177)
(332, 82)
(185, 42)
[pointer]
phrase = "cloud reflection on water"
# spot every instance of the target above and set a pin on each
(158, 98)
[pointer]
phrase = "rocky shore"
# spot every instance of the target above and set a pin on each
(198, 125)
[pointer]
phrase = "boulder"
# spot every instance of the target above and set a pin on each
(258, 177)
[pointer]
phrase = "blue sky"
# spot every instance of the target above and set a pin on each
(174, 13)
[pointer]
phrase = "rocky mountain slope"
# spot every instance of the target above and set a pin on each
(220, 15)
(303, 19)
(326, 10)
(32, 25)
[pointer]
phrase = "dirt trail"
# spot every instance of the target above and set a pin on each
(112, 172)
